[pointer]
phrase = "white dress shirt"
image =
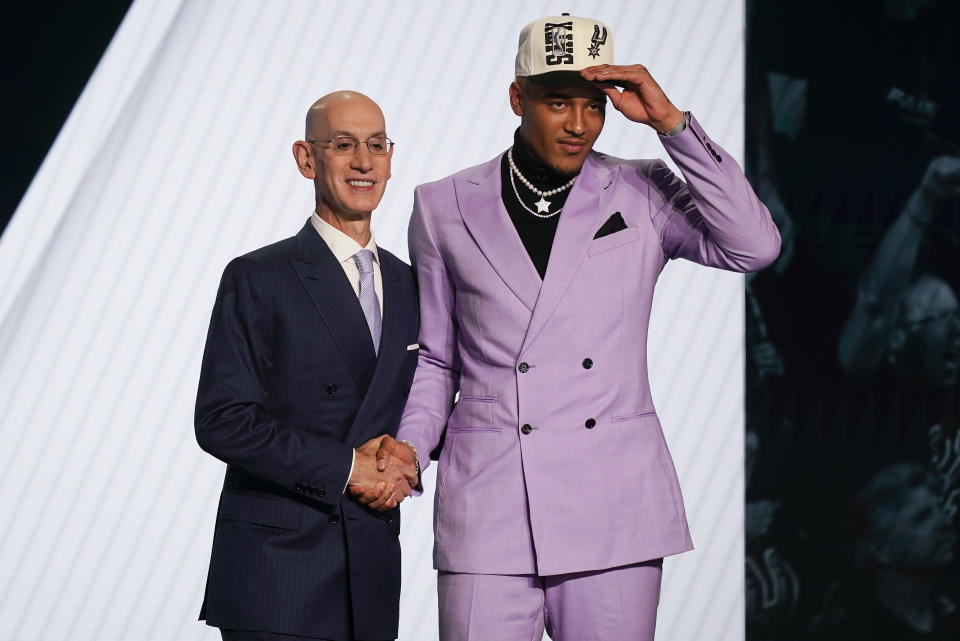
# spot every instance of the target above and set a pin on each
(343, 248)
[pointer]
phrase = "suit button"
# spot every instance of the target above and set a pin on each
(526, 429)
(334, 519)
(298, 487)
(587, 363)
(590, 423)
(322, 492)
(331, 389)
(523, 367)
(389, 520)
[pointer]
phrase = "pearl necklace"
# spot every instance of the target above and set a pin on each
(543, 205)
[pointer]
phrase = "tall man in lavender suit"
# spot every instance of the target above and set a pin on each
(557, 497)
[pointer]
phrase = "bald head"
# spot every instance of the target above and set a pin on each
(926, 346)
(327, 108)
(349, 175)
(928, 296)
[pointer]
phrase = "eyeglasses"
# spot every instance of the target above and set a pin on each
(348, 145)
(947, 316)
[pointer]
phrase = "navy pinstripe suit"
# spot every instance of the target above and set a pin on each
(290, 384)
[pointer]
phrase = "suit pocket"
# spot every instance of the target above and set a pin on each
(260, 509)
(473, 414)
(632, 416)
(611, 241)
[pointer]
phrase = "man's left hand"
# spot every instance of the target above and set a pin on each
(391, 447)
(641, 100)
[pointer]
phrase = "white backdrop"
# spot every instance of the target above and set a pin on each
(177, 158)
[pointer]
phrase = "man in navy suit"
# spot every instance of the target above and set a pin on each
(309, 358)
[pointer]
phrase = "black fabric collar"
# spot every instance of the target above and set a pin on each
(530, 166)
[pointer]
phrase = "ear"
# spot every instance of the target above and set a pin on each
(305, 160)
(516, 98)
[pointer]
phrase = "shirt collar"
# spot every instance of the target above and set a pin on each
(531, 166)
(342, 246)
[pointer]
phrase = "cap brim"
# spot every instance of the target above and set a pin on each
(554, 78)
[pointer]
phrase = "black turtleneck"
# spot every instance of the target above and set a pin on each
(535, 233)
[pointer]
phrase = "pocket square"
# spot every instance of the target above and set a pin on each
(614, 224)
(413, 347)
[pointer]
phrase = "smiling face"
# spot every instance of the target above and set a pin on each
(558, 123)
(348, 187)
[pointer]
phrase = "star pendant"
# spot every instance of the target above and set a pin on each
(542, 205)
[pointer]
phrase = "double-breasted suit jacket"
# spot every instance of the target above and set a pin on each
(289, 385)
(554, 460)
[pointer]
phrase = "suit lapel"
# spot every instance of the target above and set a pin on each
(479, 200)
(337, 303)
(582, 214)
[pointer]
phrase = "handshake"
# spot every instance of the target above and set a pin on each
(384, 473)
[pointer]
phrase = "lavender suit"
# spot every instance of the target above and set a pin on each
(554, 460)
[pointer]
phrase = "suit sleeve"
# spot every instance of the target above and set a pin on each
(232, 420)
(437, 377)
(715, 218)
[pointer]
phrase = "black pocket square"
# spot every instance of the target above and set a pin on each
(614, 224)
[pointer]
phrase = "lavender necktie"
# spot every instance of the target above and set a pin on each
(368, 295)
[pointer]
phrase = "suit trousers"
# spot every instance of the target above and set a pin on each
(251, 635)
(616, 604)
(254, 635)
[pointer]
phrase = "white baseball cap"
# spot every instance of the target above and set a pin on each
(554, 49)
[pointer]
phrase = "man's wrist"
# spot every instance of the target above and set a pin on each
(676, 129)
(353, 461)
(416, 459)
(415, 456)
(920, 206)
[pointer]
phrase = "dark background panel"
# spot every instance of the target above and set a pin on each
(50, 49)
(854, 475)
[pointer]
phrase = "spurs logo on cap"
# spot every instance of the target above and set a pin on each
(558, 42)
(554, 49)
(596, 41)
